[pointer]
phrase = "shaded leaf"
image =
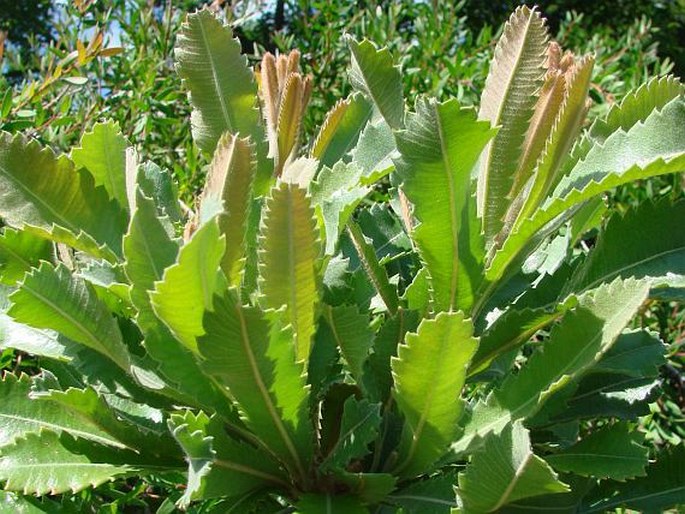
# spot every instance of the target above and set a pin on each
(505, 470)
(613, 452)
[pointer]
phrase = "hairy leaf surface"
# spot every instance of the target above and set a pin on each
(508, 102)
(289, 249)
(374, 74)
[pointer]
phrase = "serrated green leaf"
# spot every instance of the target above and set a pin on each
(638, 353)
(48, 196)
(157, 184)
(574, 347)
(253, 355)
(340, 130)
(434, 495)
(46, 463)
(663, 487)
(503, 471)
(11, 503)
(336, 193)
(638, 147)
(636, 106)
(223, 92)
(374, 74)
(185, 292)
(359, 426)
(439, 147)
(90, 408)
(613, 452)
(657, 249)
(511, 330)
(228, 194)
(19, 252)
(288, 255)
(149, 250)
(103, 153)
(218, 465)
(508, 102)
(374, 270)
(374, 151)
(352, 335)
(53, 298)
(43, 343)
(624, 157)
(20, 415)
(429, 373)
(377, 372)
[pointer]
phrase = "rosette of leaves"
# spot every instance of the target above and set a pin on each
(300, 348)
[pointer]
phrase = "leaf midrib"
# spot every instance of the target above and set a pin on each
(254, 368)
(216, 82)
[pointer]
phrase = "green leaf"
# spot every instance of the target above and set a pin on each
(639, 147)
(636, 106)
(103, 154)
(329, 504)
(149, 250)
(508, 102)
(374, 74)
(157, 184)
(47, 196)
(511, 330)
(19, 252)
(352, 335)
(20, 415)
(613, 452)
(43, 343)
(222, 89)
(185, 292)
(647, 241)
(47, 463)
(434, 495)
(638, 353)
(253, 355)
(663, 487)
(54, 298)
(288, 254)
(374, 270)
(336, 194)
(505, 470)
(429, 373)
(341, 128)
(439, 147)
(624, 157)
(377, 378)
(219, 466)
(575, 345)
(374, 151)
(358, 428)
(228, 194)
